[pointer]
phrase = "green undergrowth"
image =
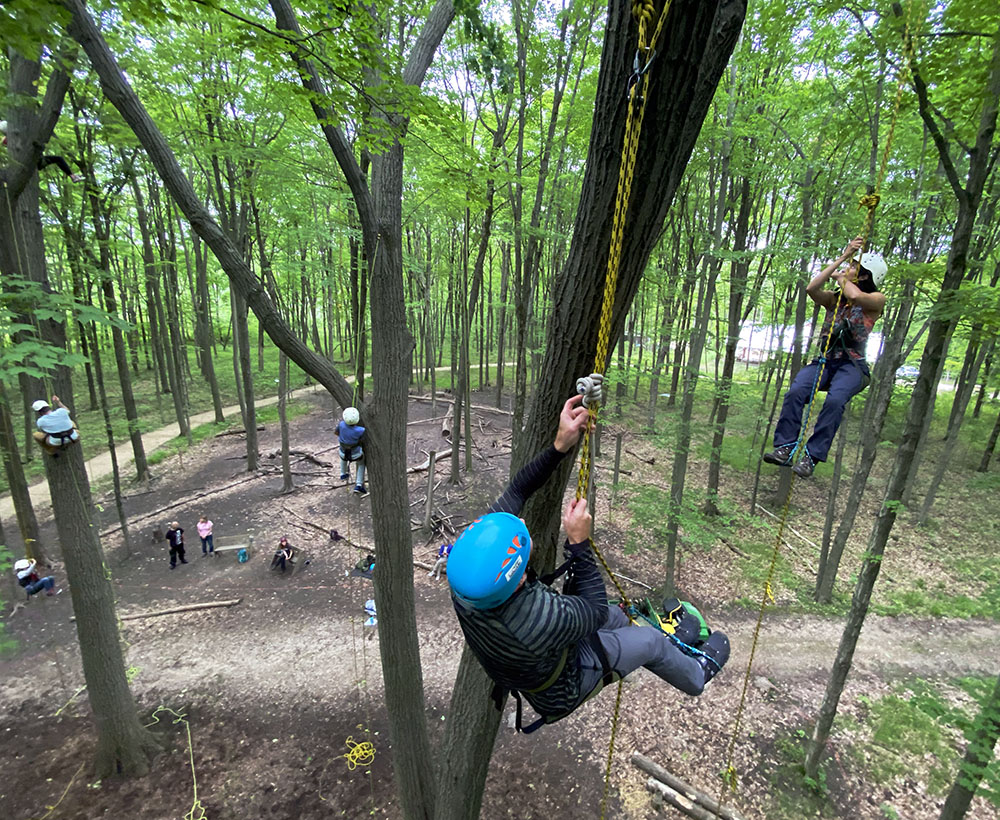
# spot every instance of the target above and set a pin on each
(916, 734)
(919, 732)
(265, 415)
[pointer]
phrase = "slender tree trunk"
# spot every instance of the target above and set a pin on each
(27, 523)
(123, 745)
(286, 469)
(978, 757)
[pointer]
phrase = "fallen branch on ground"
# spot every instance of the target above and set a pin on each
(154, 513)
(237, 431)
(302, 454)
(178, 609)
(709, 806)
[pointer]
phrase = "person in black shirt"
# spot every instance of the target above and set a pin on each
(556, 649)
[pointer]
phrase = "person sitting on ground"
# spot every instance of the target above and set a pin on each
(845, 372)
(27, 577)
(175, 538)
(283, 554)
(351, 434)
(56, 430)
(442, 558)
(555, 650)
(204, 527)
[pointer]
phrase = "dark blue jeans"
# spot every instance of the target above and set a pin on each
(207, 544)
(42, 583)
(842, 379)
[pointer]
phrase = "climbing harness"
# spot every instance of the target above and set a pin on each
(869, 202)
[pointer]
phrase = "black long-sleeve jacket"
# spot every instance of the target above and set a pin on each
(529, 642)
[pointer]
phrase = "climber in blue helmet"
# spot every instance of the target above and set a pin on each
(556, 650)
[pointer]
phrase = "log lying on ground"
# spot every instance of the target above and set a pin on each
(177, 609)
(450, 398)
(690, 794)
(238, 431)
(189, 500)
(301, 454)
(437, 460)
(449, 418)
(679, 801)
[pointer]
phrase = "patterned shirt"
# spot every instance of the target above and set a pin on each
(851, 329)
(522, 642)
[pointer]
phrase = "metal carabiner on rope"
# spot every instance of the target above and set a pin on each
(638, 69)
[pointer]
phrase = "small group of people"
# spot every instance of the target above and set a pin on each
(26, 572)
(351, 435)
(175, 540)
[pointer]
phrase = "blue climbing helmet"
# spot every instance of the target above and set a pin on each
(488, 560)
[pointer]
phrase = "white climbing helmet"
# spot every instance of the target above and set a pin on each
(351, 416)
(40, 405)
(875, 265)
(22, 565)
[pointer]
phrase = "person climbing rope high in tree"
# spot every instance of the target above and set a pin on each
(851, 315)
(556, 650)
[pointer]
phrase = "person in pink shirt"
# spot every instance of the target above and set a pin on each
(205, 534)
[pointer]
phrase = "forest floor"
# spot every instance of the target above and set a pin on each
(277, 687)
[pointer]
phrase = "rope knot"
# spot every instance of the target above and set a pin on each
(643, 9)
(869, 201)
(590, 388)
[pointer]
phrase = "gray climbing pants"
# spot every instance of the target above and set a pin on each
(628, 647)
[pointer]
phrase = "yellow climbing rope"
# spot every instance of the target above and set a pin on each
(643, 11)
(870, 202)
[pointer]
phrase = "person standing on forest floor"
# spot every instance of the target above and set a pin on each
(175, 538)
(204, 527)
(351, 434)
(556, 650)
(56, 429)
(845, 372)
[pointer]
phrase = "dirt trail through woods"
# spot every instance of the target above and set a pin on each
(100, 465)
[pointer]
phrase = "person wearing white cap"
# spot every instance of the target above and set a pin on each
(351, 433)
(28, 578)
(851, 315)
(56, 430)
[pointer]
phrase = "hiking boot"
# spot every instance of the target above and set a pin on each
(805, 467)
(716, 653)
(782, 456)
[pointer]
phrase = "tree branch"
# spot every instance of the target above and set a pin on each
(285, 18)
(121, 95)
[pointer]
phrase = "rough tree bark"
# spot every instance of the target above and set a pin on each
(694, 49)
(123, 745)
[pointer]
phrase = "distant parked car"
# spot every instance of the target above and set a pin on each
(907, 373)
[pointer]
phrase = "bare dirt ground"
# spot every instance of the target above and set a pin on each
(276, 688)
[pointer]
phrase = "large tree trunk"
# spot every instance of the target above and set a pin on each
(694, 49)
(123, 745)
